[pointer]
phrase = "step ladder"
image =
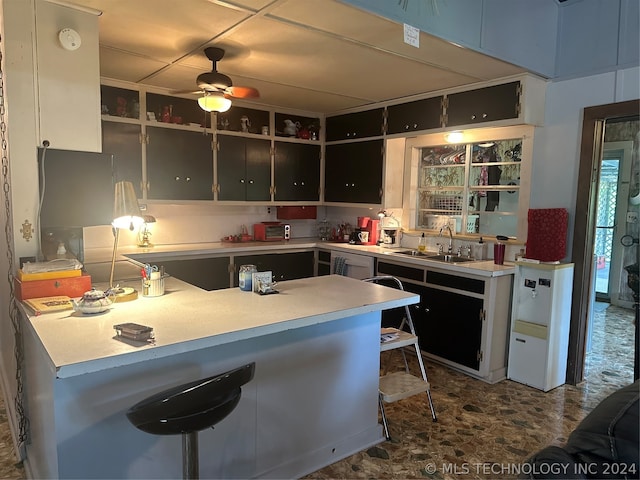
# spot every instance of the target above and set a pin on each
(397, 385)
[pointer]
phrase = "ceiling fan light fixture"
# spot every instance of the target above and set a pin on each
(214, 102)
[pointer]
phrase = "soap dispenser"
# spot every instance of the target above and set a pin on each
(422, 244)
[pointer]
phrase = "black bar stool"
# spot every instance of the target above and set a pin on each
(189, 408)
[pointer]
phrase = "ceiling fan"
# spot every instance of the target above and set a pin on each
(217, 88)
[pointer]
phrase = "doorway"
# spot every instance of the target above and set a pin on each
(611, 211)
(583, 247)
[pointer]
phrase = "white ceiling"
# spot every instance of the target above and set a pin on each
(312, 55)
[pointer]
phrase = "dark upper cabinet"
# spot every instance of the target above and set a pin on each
(489, 104)
(413, 116)
(179, 164)
(355, 125)
(353, 172)
(297, 172)
(122, 140)
(244, 168)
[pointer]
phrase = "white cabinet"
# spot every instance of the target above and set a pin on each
(540, 324)
(68, 81)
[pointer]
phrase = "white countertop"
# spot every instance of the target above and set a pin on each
(156, 253)
(187, 318)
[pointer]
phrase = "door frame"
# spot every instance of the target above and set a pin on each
(591, 148)
(622, 206)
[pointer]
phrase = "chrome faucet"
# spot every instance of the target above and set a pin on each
(450, 248)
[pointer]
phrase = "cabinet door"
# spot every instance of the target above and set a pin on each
(297, 172)
(353, 172)
(231, 168)
(489, 104)
(179, 165)
(122, 140)
(205, 273)
(285, 266)
(413, 116)
(258, 169)
(244, 168)
(452, 327)
(355, 125)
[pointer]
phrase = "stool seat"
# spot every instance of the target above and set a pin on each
(193, 406)
(189, 408)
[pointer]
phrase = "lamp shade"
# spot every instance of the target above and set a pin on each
(126, 212)
(214, 102)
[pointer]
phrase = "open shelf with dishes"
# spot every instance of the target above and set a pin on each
(480, 186)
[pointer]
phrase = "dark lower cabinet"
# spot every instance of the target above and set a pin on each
(451, 326)
(324, 262)
(179, 165)
(353, 172)
(285, 266)
(448, 324)
(206, 273)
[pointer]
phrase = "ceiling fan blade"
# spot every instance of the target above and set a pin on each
(242, 92)
(186, 92)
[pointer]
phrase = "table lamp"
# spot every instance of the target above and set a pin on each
(126, 214)
(144, 233)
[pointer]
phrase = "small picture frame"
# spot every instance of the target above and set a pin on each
(261, 279)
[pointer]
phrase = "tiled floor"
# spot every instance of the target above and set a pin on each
(483, 431)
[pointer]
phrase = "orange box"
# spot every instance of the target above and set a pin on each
(70, 287)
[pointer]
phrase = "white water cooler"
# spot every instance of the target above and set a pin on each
(540, 320)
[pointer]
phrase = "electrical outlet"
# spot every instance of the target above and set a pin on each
(632, 217)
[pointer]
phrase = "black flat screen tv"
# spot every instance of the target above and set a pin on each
(78, 188)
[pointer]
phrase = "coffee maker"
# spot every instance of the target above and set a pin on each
(369, 228)
(390, 230)
(390, 237)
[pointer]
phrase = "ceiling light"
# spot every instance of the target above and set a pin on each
(454, 137)
(214, 102)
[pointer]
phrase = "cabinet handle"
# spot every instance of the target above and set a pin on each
(251, 182)
(415, 126)
(242, 180)
(188, 179)
(406, 127)
(484, 115)
(177, 179)
(473, 117)
(521, 340)
(302, 184)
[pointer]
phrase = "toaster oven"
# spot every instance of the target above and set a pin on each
(271, 231)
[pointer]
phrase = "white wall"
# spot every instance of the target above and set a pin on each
(556, 152)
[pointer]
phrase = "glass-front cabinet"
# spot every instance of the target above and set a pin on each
(480, 185)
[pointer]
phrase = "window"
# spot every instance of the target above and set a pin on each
(480, 186)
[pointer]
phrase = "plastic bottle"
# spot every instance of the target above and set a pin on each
(422, 243)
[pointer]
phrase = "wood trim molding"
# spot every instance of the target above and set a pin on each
(594, 119)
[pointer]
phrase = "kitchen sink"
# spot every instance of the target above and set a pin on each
(449, 258)
(437, 257)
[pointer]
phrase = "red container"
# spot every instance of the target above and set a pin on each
(70, 287)
(498, 253)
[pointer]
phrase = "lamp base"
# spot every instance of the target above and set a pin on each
(125, 294)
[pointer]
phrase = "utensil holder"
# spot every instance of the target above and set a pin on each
(154, 286)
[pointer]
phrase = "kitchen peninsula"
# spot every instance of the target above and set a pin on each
(313, 401)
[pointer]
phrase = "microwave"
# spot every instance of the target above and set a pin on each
(271, 231)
